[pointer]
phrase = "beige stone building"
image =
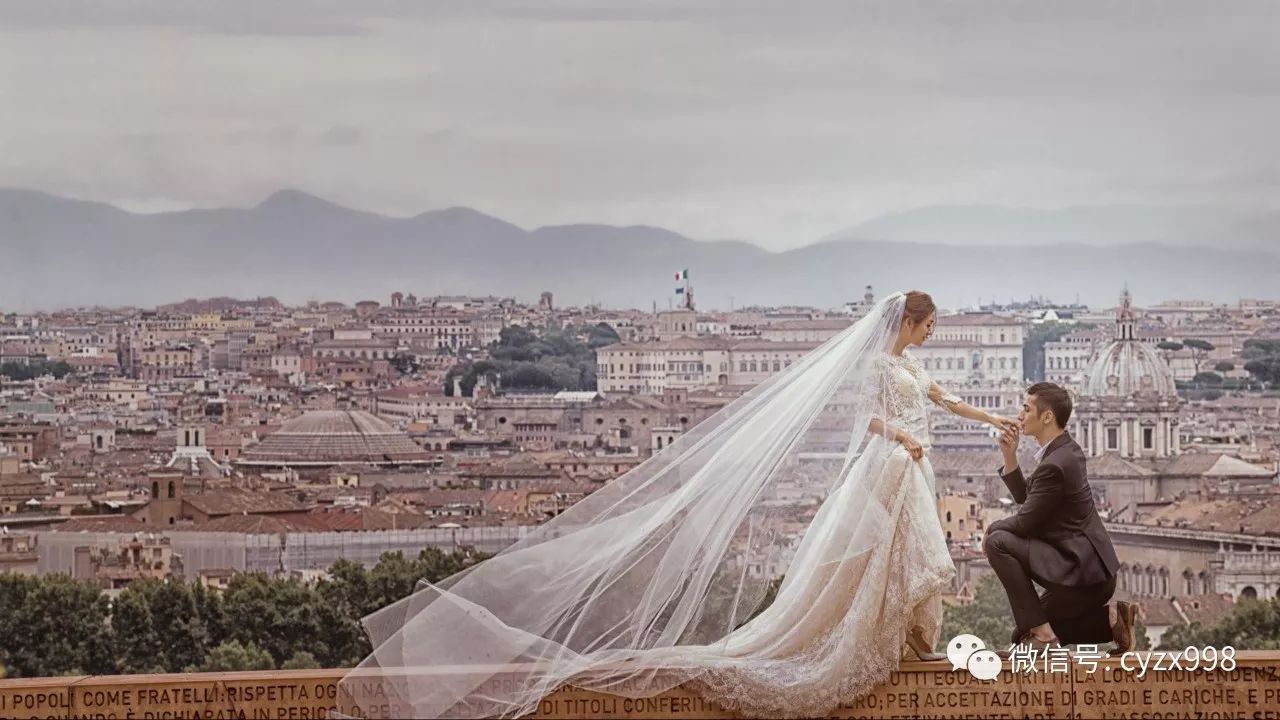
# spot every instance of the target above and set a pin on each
(164, 362)
(692, 363)
(974, 348)
(431, 329)
(962, 518)
(123, 392)
(114, 564)
(18, 553)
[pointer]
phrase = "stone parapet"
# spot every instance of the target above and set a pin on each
(916, 690)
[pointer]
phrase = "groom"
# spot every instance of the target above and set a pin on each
(1056, 538)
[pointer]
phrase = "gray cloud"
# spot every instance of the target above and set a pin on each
(753, 120)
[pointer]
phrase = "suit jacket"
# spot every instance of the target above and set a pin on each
(1069, 545)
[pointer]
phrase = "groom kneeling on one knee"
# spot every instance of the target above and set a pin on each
(1056, 538)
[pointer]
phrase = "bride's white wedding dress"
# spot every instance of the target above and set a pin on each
(838, 623)
(647, 583)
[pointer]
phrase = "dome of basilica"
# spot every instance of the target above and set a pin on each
(1127, 367)
(323, 438)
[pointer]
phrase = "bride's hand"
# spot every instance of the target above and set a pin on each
(913, 447)
(1004, 424)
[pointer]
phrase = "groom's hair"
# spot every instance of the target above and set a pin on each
(1052, 397)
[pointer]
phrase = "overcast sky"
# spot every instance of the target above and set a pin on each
(770, 122)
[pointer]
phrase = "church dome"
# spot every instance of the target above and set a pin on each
(1127, 367)
(335, 437)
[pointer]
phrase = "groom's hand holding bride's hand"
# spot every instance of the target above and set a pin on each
(1006, 424)
(1009, 437)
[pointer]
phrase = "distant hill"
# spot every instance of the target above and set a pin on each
(1190, 225)
(56, 252)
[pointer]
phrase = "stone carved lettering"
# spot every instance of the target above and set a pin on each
(924, 691)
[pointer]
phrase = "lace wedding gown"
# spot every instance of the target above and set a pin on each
(837, 626)
(646, 584)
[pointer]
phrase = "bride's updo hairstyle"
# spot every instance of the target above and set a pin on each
(918, 307)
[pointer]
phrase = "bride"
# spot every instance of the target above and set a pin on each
(819, 475)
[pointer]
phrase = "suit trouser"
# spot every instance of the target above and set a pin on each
(1077, 614)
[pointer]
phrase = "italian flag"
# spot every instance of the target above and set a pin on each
(682, 275)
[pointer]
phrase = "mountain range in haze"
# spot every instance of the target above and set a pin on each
(57, 252)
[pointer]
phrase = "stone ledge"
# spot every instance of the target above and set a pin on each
(917, 690)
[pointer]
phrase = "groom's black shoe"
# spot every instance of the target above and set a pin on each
(1123, 630)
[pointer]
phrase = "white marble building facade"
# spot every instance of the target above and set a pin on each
(971, 348)
(691, 363)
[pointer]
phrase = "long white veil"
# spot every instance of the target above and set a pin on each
(633, 589)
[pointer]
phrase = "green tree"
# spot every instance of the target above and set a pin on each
(35, 369)
(1224, 366)
(1262, 359)
(277, 615)
(558, 359)
(14, 636)
(988, 616)
(346, 587)
(1251, 625)
(232, 656)
(770, 594)
(213, 617)
(393, 578)
(138, 646)
(1033, 346)
(1200, 350)
(436, 565)
(1140, 634)
(178, 623)
(66, 631)
(1207, 378)
(600, 335)
(405, 363)
(301, 660)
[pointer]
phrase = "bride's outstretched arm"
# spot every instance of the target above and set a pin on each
(955, 405)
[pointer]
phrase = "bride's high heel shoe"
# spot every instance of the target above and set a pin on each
(921, 647)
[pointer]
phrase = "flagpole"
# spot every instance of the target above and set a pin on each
(686, 290)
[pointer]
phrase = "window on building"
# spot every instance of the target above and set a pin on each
(1148, 438)
(1113, 438)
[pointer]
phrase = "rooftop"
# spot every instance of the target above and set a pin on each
(335, 437)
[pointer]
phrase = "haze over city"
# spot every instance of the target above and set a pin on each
(716, 120)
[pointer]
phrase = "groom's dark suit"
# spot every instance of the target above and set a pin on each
(1057, 539)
